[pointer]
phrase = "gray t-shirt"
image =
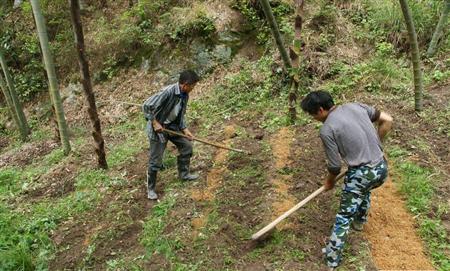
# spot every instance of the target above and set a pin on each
(348, 133)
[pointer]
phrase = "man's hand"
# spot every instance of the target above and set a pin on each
(157, 126)
(330, 181)
(188, 133)
(384, 125)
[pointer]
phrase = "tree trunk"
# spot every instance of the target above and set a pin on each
(294, 54)
(440, 26)
(276, 33)
(51, 74)
(17, 106)
(415, 56)
(284, 55)
(9, 102)
(295, 49)
(87, 85)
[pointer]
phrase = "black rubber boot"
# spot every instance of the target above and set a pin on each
(183, 170)
(151, 184)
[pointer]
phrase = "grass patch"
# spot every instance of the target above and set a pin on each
(417, 184)
(124, 152)
(153, 237)
(255, 89)
(382, 72)
(25, 229)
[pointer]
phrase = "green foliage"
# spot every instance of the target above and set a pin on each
(91, 179)
(9, 180)
(434, 232)
(22, 52)
(125, 152)
(417, 184)
(256, 19)
(383, 20)
(379, 73)
(201, 26)
(153, 237)
(255, 88)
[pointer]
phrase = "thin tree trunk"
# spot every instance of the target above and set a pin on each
(276, 33)
(87, 85)
(415, 56)
(9, 102)
(284, 55)
(295, 50)
(51, 74)
(294, 54)
(17, 106)
(440, 26)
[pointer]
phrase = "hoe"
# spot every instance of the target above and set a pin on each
(265, 232)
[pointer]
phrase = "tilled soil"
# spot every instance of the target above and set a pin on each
(27, 153)
(112, 235)
(391, 231)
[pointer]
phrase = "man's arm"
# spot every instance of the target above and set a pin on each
(384, 124)
(333, 157)
(152, 105)
(330, 181)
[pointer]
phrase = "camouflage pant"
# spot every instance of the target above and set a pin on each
(355, 204)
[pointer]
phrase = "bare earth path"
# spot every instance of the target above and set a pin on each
(393, 239)
(282, 201)
(213, 181)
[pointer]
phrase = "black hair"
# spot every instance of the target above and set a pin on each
(188, 77)
(316, 99)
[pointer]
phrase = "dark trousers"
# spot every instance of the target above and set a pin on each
(157, 148)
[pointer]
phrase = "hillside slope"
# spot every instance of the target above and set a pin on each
(59, 212)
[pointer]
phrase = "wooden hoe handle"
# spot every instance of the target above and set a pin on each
(293, 209)
(205, 142)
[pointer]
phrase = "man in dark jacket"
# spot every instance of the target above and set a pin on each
(166, 109)
(348, 133)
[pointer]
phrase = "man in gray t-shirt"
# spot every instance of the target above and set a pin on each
(348, 134)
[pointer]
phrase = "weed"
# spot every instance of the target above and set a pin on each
(417, 185)
(153, 237)
(123, 153)
(297, 255)
(91, 179)
(434, 232)
(383, 20)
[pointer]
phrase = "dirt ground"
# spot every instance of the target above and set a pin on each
(392, 235)
(296, 169)
(27, 153)
(238, 194)
(77, 234)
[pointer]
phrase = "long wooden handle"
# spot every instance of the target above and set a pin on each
(293, 209)
(205, 142)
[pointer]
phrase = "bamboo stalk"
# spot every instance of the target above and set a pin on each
(205, 141)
